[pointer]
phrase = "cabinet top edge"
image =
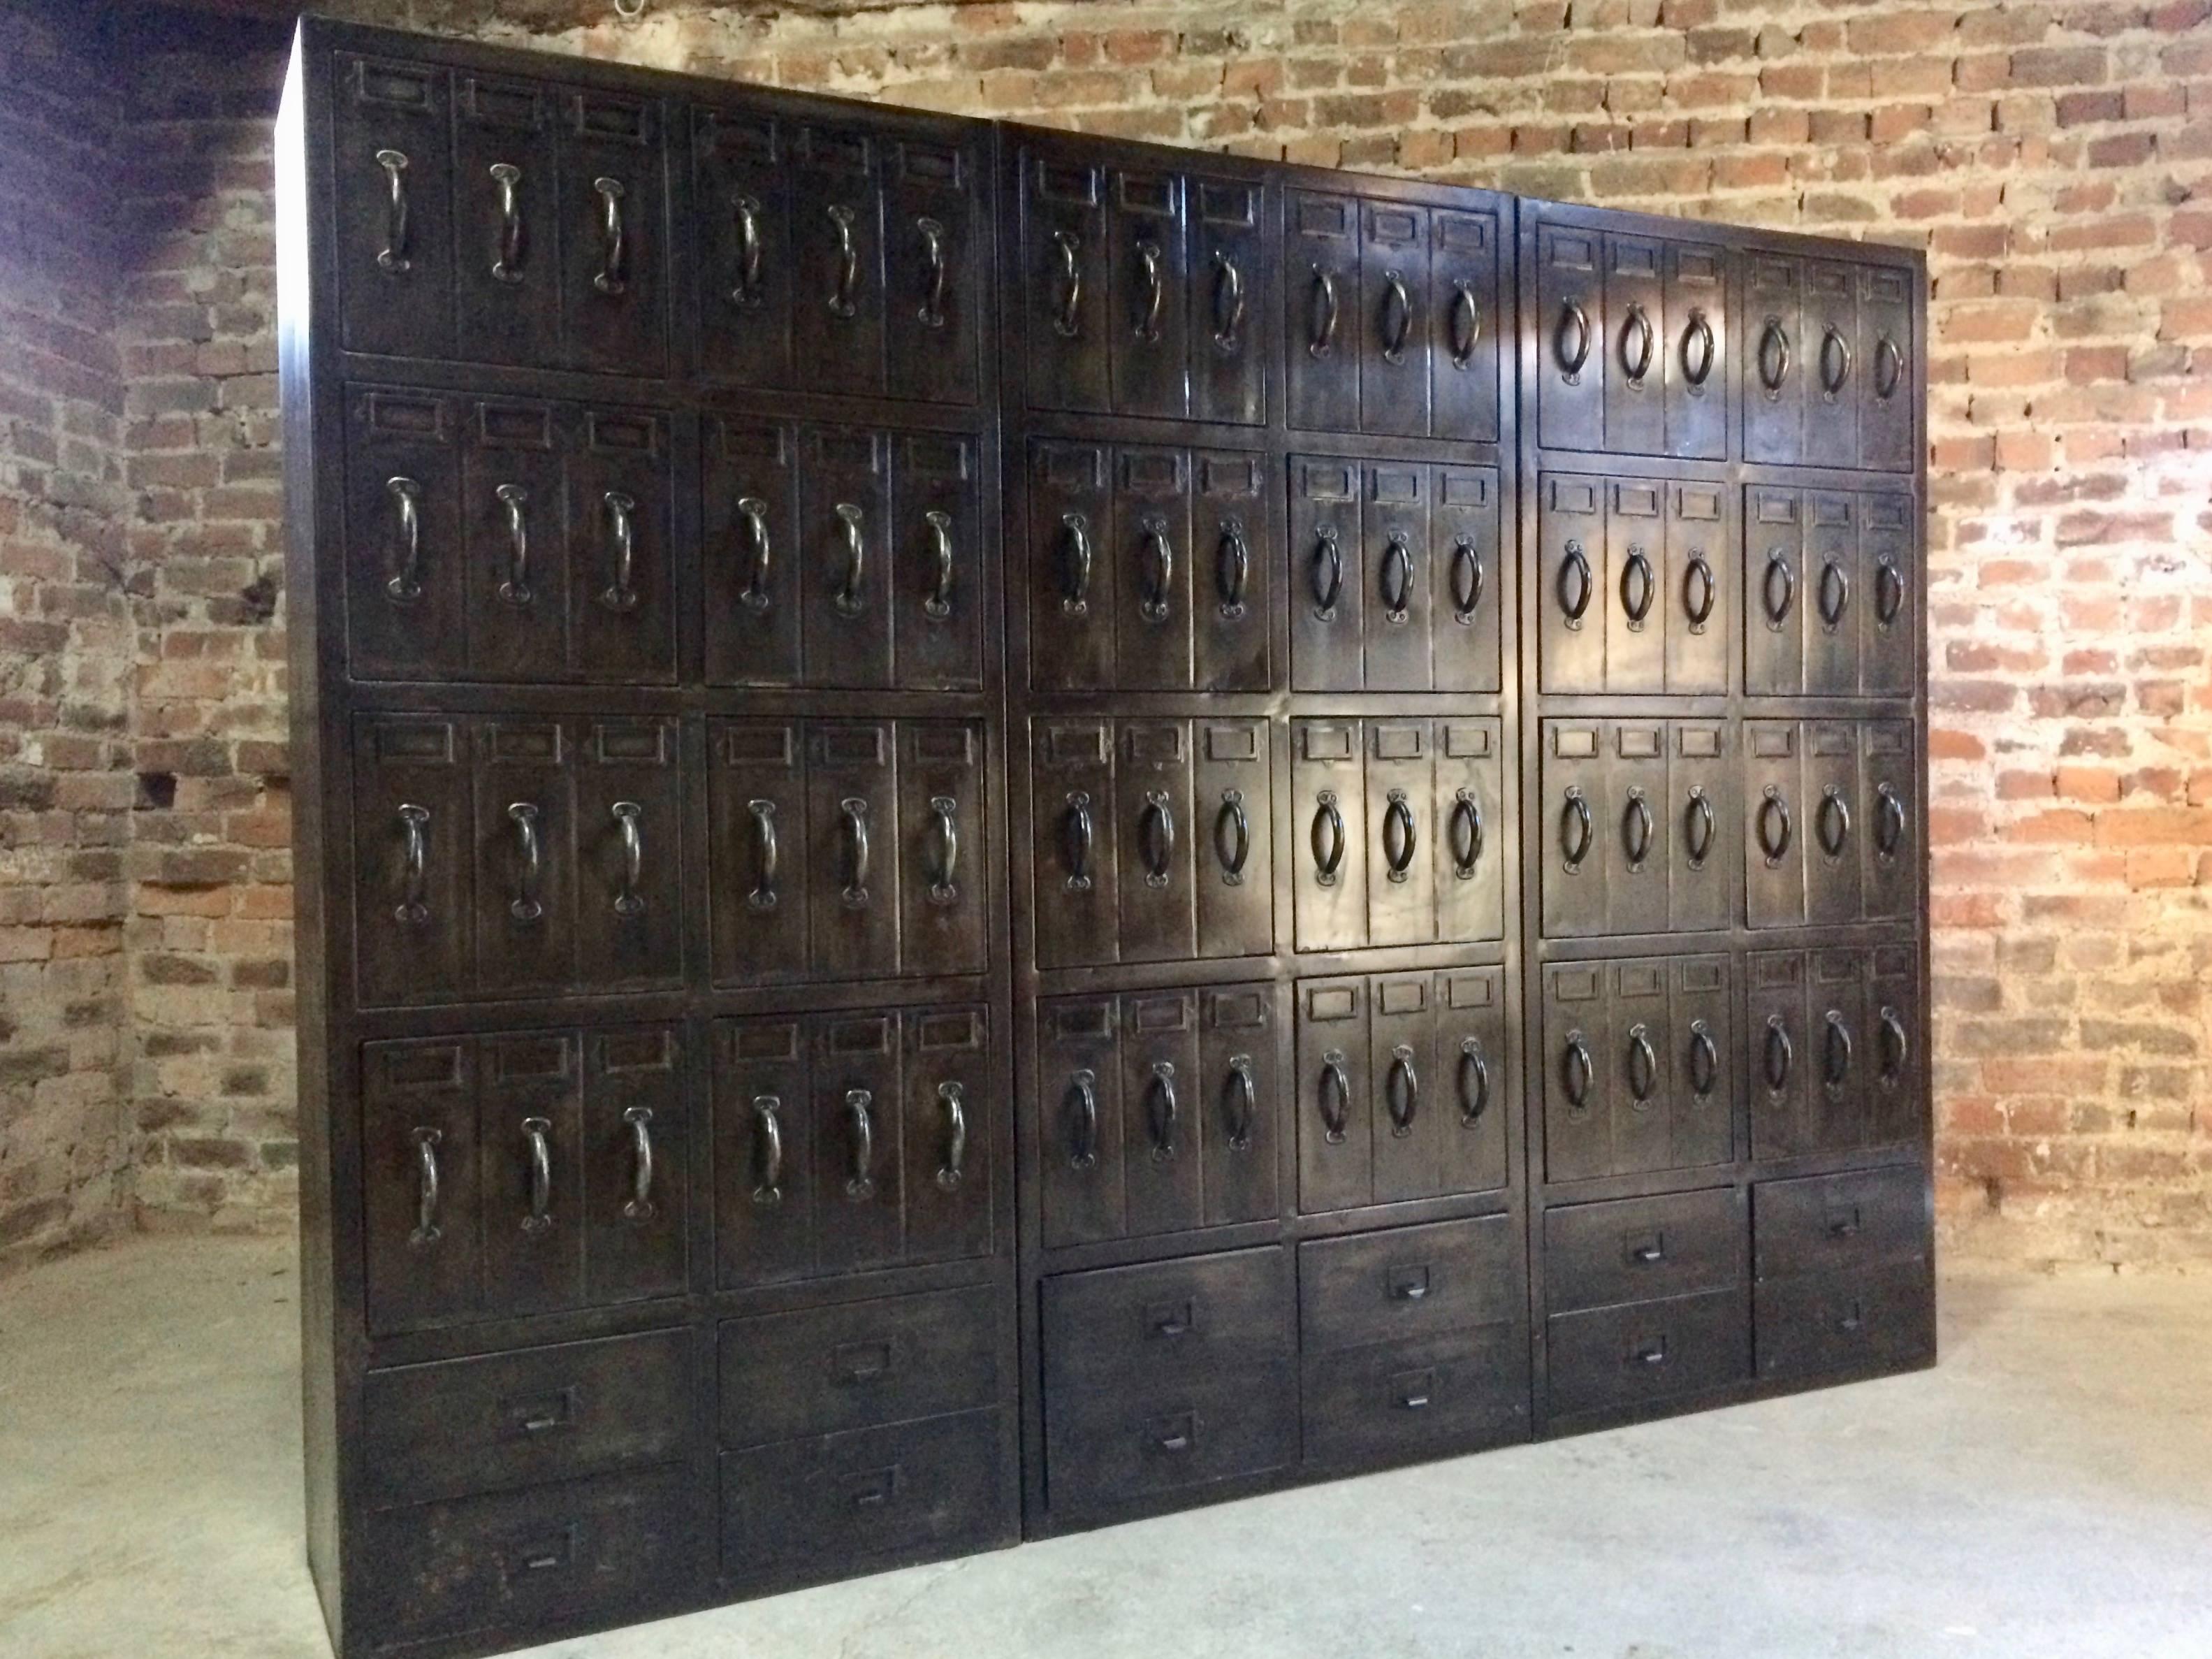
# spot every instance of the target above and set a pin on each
(1537, 211)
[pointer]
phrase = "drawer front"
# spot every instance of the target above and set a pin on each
(1609, 1358)
(826, 1506)
(1841, 1323)
(830, 1368)
(518, 1559)
(511, 1419)
(1403, 1399)
(1107, 1448)
(1410, 1282)
(1832, 1223)
(1166, 1322)
(1639, 1248)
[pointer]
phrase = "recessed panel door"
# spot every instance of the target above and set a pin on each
(1578, 1074)
(937, 574)
(934, 251)
(1832, 365)
(1164, 1144)
(1148, 284)
(1840, 1051)
(740, 163)
(1642, 1089)
(1889, 772)
(630, 855)
(853, 840)
(1571, 559)
(1703, 1061)
(1833, 854)
(1464, 608)
(413, 840)
(1774, 828)
(1638, 329)
(1235, 1102)
(758, 886)
(1773, 577)
(1327, 594)
(422, 1211)
(506, 237)
(1396, 571)
(1408, 1127)
(1778, 1057)
(1885, 383)
(859, 1171)
(1641, 829)
(637, 1154)
(1073, 591)
(763, 1152)
(1463, 299)
(1078, 1103)
(1229, 296)
(837, 251)
(1330, 842)
(405, 581)
(1835, 592)
(1895, 1090)
(525, 855)
(1694, 286)
(1635, 587)
(1571, 347)
(614, 257)
(1473, 1088)
(1396, 319)
(1233, 572)
(943, 895)
(1889, 547)
(1467, 830)
(1231, 829)
(621, 549)
(1075, 856)
(392, 157)
(1400, 816)
(1577, 822)
(529, 1146)
(1154, 827)
(947, 1129)
(1700, 620)
(844, 551)
(1701, 814)
(1772, 356)
(1321, 294)
(748, 552)
(1149, 566)
(1335, 1131)
(515, 529)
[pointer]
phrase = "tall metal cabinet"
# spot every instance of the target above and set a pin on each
(996, 831)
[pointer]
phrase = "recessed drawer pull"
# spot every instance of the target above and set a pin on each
(767, 1150)
(393, 257)
(525, 905)
(952, 1098)
(507, 260)
(1171, 1320)
(404, 585)
(1408, 1283)
(1845, 1227)
(1083, 1120)
(640, 1206)
(1653, 1354)
(426, 1231)
(545, 1557)
(536, 1133)
(876, 1489)
(613, 275)
(1648, 1255)
(856, 1363)
(860, 1134)
(628, 815)
(414, 906)
(1852, 1323)
(1412, 1391)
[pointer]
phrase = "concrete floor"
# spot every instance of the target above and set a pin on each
(2048, 1491)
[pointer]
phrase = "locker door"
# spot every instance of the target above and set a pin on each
(1641, 829)
(859, 1177)
(1832, 798)
(1078, 1095)
(530, 1145)
(1696, 295)
(935, 254)
(405, 578)
(1146, 319)
(1235, 1102)
(514, 527)
(1229, 283)
(937, 598)
(1570, 310)
(947, 1130)
(637, 1162)
(1063, 284)
(758, 885)
(392, 158)
(1698, 623)
(1326, 809)
(1321, 288)
(1703, 1115)
(1892, 1067)
(1464, 614)
(1071, 595)
(412, 868)
(1150, 568)
(838, 248)
(1773, 369)
(1884, 384)
(1231, 813)
(421, 1212)
(1571, 564)
(1153, 786)
(1578, 1075)
(1409, 1130)
(1578, 809)
(1463, 361)
(506, 240)
(1636, 315)
(741, 164)
(1842, 1049)
(750, 544)
(1472, 1089)
(1400, 811)
(1832, 344)
(1699, 810)
(1889, 774)
(1395, 317)
(524, 852)
(1163, 1137)
(1233, 573)
(1779, 1057)
(1336, 1135)
(844, 550)
(1326, 594)
(1889, 544)
(1396, 568)
(621, 549)
(763, 1152)
(1467, 830)
(1642, 1089)
(1834, 593)
(1636, 578)
(614, 210)
(1773, 559)
(943, 896)
(1773, 827)
(853, 843)
(630, 855)
(1076, 865)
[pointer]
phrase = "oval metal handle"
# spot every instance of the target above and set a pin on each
(1240, 1103)
(1066, 314)
(1836, 1051)
(621, 594)
(524, 906)
(842, 298)
(1474, 1081)
(1233, 827)
(1888, 592)
(1638, 341)
(1779, 1053)
(506, 261)
(393, 257)
(1228, 302)
(1160, 1110)
(613, 275)
(1146, 325)
(930, 311)
(427, 1230)
(1463, 323)
(1577, 1071)
(1074, 563)
(939, 605)
(1394, 322)
(1083, 1127)
(1466, 581)
(1322, 313)
(1773, 354)
(1637, 829)
(1699, 826)
(1774, 824)
(1232, 567)
(404, 585)
(952, 1100)
(537, 1132)
(1705, 1059)
(1699, 333)
(414, 908)
(1835, 361)
(1398, 836)
(1577, 829)
(1639, 587)
(1570, 358)
(1075, 835)
(853, 812)
(1778, 603)
(1326, 571)
(1465, 834)
(627, 817)
(850, 598)
(1575, 595)
(1155, 568)
(1896, 1046)
(1156, 836)
(767, 1150)
(1832, 822)
(1888, 367)
(752, 512)
(1328, 855)
(1699, 590)
(1889, 820)
(1642, 1064)
(640, 1205)
(1401, 1091)
(1835, 593)
(1394, 578)
(746, 290)
(943, 817)
(515, 590)
(860, 1144)
(1336, 1098)
(766, 854)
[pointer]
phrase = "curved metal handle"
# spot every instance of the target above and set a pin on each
(640, 1206)
(1773, 355)
(1699, 826)
(506, 262)
(515, 590)
(1083, 1136)
(1155, 568)
(1699, 333)
(1228, 302)
(427, 1230)
(1465, 834)
(1074, 563)
(952, 1098)
(1075, 837)
(1705, 1059)
(414, 906)
(1575, 584)
(842, 301)
(537, 1132)
(1835, 361)
(1836, 1051)
(1156, 834)
(1474, 1082)
(1642, 1064)
(746, 290)
(1466, 581)
(1231, 825)
(1462, 323)
(1146, 326)
(1327, 855)
(1395, 322)
(1639, 587)
(1232, 567)
(524, 906)
(853, 812)
(1398, 836)
(1896, 1045)
(766, 854)
(945, 820)
(1065, 317)
(627, 815)
(1772, 822)
(1401, 1091)
(1638, 341)
(1326, 570)
(621, 594)
(1832, 822)
(850, 598)
(753, 511)
(1637, 829)
(1888, 592)
(393, 256)
(1160, 1110)
(767, 1150)
(1336, 1098)
(1700, 591)
(404, 585)
(861, 1142)
(1777, 604)
(1577, 1071)
(930, 311)
(1888, 367)
(1321, 313)
(1889, 824)
(1570, 358)
(1240, 1103)
(1395, 577)
(1577, 829)
(1779, 1053)
(613, 275)
(1835, 593)
(939, 605)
